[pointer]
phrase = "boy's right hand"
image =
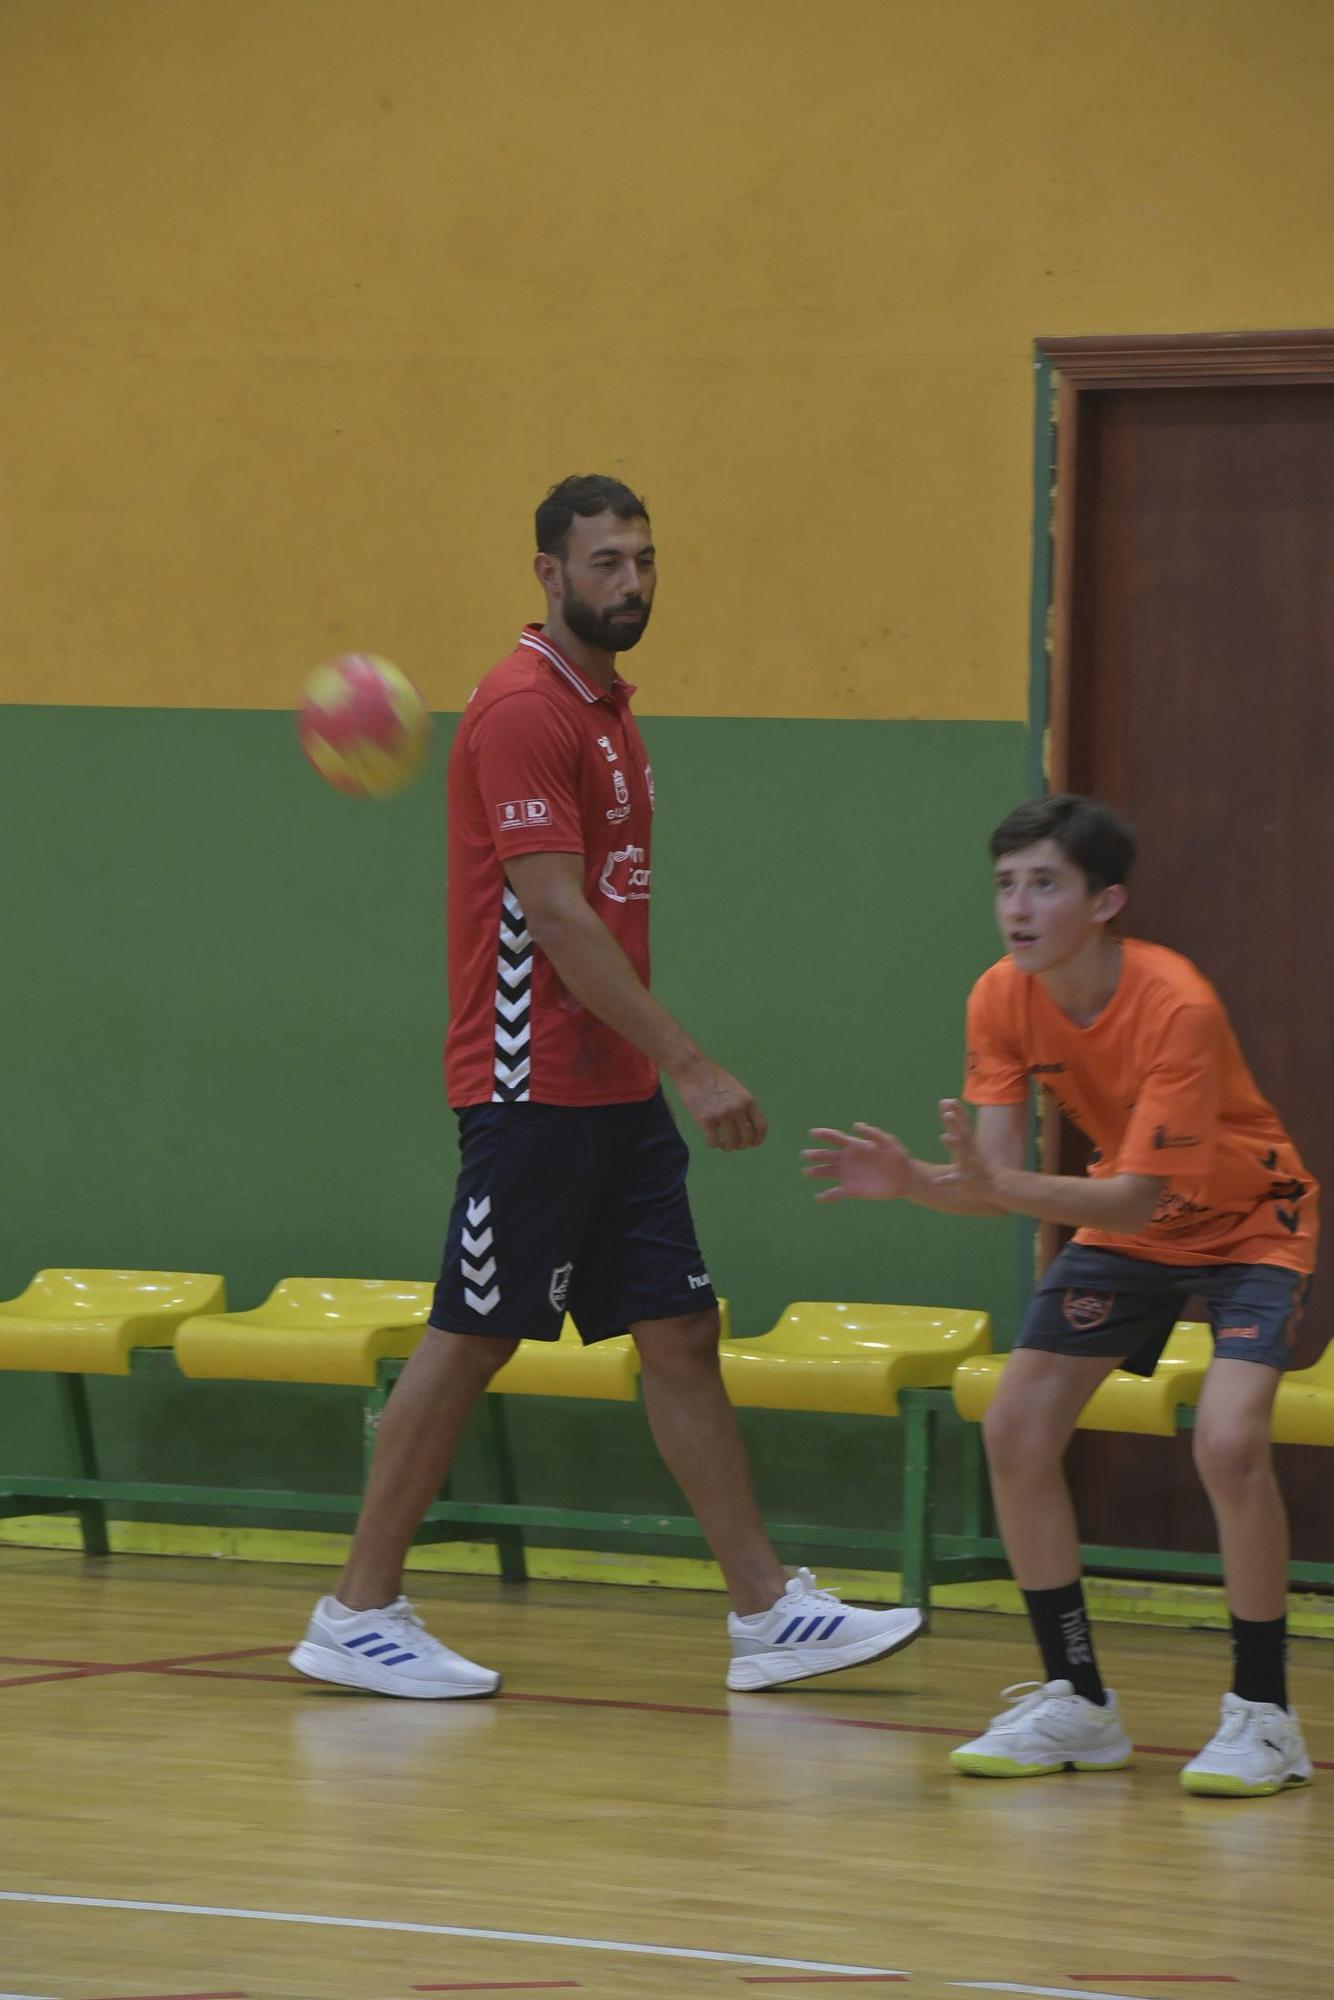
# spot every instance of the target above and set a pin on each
(865, 1164)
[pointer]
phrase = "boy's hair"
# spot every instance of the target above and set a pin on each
(584, 493)
(1090, 834)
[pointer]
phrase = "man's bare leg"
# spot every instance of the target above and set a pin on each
(419, 1432)
(695, 1429)
(778, 1632)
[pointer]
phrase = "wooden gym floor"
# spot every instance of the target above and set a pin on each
(182, 1817)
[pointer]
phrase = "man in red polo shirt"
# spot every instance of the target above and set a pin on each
(571, 1193)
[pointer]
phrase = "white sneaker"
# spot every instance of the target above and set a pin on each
(1257, 1749)
(1048, 1727)
(809, 1631)
(386, 1652)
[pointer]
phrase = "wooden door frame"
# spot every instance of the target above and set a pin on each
(1066, 371)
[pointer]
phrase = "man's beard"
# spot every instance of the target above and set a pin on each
(599, 628)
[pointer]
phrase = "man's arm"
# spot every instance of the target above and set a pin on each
(867, 1164)
(592, 966)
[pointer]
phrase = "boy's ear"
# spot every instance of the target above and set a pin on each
(1109, 902)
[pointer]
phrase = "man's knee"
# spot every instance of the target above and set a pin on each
(474, 1357)
(688, 1344)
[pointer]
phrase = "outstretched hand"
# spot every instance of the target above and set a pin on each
(865, 1164)
(969, 1172)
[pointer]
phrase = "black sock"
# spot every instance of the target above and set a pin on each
(1260, 1659)
(1061, 1628)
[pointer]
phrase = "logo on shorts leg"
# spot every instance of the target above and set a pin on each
(1087, 1310)
(478, 1243)
(559, 1289)
(1251, 1332)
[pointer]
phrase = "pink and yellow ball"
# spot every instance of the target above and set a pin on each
(363, 725)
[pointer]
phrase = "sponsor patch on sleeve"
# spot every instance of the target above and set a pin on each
(516, 813)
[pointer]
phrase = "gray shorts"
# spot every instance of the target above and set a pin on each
(1102, 1302)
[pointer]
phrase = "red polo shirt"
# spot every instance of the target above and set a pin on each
(544, 762)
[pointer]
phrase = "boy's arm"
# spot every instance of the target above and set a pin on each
(1121, 1203)
(867, 1164)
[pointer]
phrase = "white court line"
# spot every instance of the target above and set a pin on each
(1003, 1986)
(449, 1930)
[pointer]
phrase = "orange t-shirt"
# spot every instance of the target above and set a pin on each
(1159, 1084)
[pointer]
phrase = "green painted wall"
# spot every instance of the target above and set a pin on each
(224, 1001)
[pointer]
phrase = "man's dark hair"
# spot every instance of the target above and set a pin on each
(1090, 834)
(583, 493)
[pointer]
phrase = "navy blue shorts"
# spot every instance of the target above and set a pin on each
(569, 1208)
(1102, 1302)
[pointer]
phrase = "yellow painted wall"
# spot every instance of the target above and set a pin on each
(304, 302)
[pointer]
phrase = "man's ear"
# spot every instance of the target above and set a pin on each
(546, 569)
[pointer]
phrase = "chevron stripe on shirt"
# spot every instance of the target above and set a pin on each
(544, 761)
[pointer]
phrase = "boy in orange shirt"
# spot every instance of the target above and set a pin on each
(1194, 1189)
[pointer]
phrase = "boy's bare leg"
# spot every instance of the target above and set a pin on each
(1235, 1461)
(1027, 1431)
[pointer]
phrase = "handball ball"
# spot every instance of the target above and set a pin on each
(363, 725)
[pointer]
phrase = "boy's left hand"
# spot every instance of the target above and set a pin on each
(970, 1172)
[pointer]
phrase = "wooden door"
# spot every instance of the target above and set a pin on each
(1195, 652)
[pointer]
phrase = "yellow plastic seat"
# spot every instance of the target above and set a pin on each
(89, 1322)
(308, 1330)
(338, 1329)
(1144, 1405)
(1304, 1405)
(851, 1359)
(606, 1372)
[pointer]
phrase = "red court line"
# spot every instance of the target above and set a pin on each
(186, 1666)
(80, 1670)
(70, 1674)
(227, 1674)
(201, 1659)
(791, 1714)
(35, 1660)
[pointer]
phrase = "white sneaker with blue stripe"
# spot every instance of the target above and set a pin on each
(809, 1631)
(386, 1652)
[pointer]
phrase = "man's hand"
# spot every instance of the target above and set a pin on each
(970, 1172)
(720, 1105)
(865, 1164)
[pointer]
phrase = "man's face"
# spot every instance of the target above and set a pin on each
(1045, 909)
(606, 580)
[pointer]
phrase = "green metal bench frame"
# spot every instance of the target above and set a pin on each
(925, 1556)
(922, 1555)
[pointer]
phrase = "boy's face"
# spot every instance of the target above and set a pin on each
(1045, 910)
